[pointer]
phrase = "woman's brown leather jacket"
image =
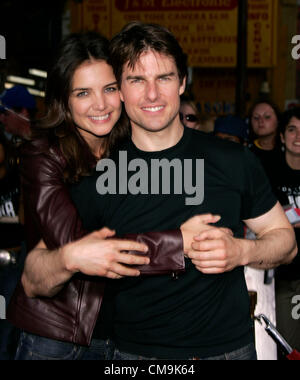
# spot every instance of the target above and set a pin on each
(50, 215)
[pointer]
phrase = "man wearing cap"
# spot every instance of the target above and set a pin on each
(17, 108)
(231, 128)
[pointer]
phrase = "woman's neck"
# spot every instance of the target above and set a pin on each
(293, 161)
(266, 142)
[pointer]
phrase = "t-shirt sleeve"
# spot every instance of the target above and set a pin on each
(258, 197)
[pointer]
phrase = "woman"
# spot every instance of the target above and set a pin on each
(189, 114)
(264, 118)
(286, 182)
(83, 107)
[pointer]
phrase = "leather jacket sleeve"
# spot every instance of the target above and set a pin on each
(49, 211)
(51, 215)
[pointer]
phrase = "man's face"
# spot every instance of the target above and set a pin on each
(151, 92)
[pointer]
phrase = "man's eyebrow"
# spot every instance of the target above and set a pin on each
(130, 77)
(171, 74)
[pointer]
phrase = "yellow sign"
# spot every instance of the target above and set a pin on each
(206, 29)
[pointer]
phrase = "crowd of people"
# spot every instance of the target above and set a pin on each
(125, 276)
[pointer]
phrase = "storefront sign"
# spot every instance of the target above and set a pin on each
(206, 29)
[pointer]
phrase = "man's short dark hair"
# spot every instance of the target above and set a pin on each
(136, 38)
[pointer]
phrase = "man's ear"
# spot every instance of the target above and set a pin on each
(121, 95)
(282, 138)
(182, 86)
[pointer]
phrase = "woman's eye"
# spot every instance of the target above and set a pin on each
(82, 93)
(111, 89)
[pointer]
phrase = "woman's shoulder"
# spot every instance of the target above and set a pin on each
(39, 150)
(40, 146)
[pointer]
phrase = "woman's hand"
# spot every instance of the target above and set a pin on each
(99, 255)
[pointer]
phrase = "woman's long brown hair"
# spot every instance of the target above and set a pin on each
(58, 125)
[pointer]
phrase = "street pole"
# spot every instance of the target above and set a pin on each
(241, 70)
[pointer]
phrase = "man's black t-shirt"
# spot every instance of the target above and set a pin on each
(197, 314)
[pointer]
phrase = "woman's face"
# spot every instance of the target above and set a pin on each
(189, 117)
(264, 120)
(291, 137)
(94, 100)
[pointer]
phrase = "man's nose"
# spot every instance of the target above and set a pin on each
(152, 91)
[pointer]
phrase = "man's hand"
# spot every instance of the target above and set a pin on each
(216, 251)
(193, 226)
(96, 255)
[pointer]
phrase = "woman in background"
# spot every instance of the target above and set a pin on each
(286, 182)
(264, 134)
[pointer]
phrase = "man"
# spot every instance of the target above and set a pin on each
(231, 128)
(18, 108)
(205, 311)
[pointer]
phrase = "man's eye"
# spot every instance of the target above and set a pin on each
(136, 81)
(165, 79)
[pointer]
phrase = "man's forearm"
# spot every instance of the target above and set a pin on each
(45, 273)
(270, 250)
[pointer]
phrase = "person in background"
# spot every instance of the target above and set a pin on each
(189, 114)
(18, 108)
(231, 128)
(11, 238)
(286, 182)
(264, 135)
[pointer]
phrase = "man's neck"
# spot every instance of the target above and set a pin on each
(149, 141)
